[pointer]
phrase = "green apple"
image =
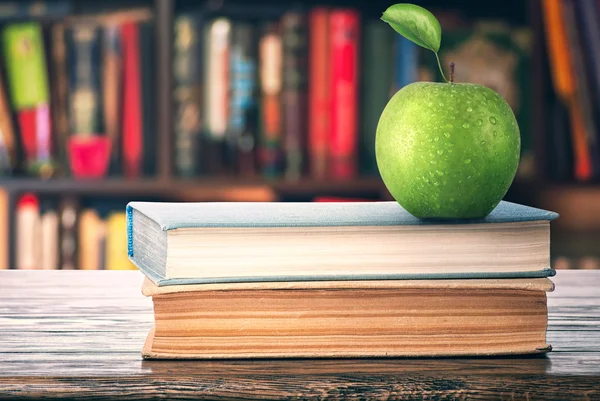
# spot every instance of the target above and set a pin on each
(447, 150)
(444, 150)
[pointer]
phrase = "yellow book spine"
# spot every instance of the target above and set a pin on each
(116, 243)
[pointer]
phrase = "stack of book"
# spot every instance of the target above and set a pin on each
(231, 280)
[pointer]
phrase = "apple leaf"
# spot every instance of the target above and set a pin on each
(415, 24)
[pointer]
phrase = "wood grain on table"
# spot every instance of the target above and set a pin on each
(79, 334)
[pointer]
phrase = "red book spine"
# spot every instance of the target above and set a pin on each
(27, 124)
(132, 102)
(344, 33)
(319, 91)
(35, 134)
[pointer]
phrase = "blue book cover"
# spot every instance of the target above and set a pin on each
(150, 222)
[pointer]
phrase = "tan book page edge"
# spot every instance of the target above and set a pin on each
(534, 284)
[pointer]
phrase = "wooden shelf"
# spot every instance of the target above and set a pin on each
(225, 188)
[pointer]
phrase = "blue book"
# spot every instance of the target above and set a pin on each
(407, 62)
(196, 243)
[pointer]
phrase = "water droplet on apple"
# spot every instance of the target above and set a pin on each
(429, 139)
(449, 144)
(452, 199)
(431, 174)
(495, 133)
(438, 206)
(437, 138)
(436, 183)
(450, 151)
(465, 125)
(460, 181)
(452, 118)
(440, 152)
(468, 102)
(433, 162)
(467, 161)
(440, 173)
(479, 122)
(469, 109)
(482, 143)
(447, 134)
(493, 120)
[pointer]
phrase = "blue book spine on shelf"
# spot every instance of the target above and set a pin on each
(407, 60)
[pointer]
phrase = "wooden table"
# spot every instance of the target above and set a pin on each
(73, 333)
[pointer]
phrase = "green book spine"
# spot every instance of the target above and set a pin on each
(376, 80)
(295, 55)
(26, 65)
(188, 86)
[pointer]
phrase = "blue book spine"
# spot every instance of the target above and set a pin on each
(407, 59)
(242, 127)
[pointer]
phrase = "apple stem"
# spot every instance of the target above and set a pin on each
(452, 72)
(440, 66)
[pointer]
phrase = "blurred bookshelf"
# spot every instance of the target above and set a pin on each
(137, 108)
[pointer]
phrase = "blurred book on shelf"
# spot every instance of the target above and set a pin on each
(66, 233)
(571, 30)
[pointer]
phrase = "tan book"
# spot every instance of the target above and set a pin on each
(348, 318)
(49, 230)
(89, 240)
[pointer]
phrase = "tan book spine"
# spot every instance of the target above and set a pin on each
(49, 240)
(89, 240)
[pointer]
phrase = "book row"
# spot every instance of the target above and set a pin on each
(67, 233)
(280, 92)
(301, 93)
(77, 95)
